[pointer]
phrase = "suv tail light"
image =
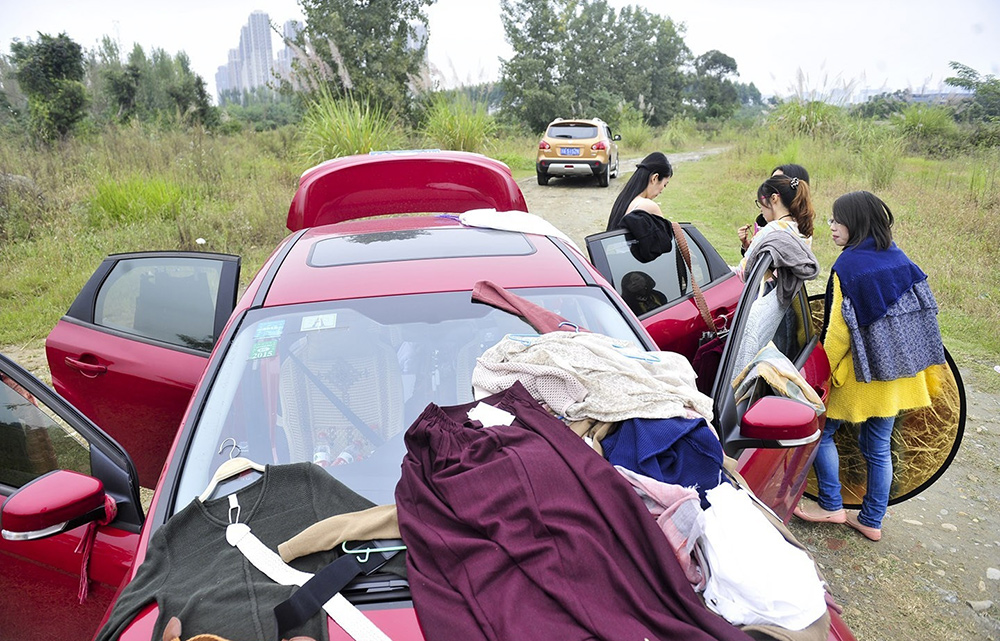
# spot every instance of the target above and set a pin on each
(544, 145)
(600, 145)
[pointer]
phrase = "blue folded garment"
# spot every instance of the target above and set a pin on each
(682, 451)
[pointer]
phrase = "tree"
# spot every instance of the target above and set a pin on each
(13, 102)
(884, 105)
(375, 47)
(749, 95)
(650, 66)
(985, 104)
(587, 54)
(50, 71)
(530, 80)
(160, 87)
(712, 91)
(580, 58)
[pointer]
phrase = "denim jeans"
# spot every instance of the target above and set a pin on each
(874, 439)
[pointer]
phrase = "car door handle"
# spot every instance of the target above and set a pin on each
(87, 369)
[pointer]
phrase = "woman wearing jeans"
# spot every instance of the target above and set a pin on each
(881, 335)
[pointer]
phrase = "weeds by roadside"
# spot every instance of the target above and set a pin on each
(135, 188)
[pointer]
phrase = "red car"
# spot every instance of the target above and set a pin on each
(269, 377)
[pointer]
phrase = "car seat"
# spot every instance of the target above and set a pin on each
(341, 391)
(178, 309)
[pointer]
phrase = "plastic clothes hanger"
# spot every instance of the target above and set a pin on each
(231, 467)
(364, 553)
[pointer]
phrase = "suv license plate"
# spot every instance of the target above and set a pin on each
(569, 151)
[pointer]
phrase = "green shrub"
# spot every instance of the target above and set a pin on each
(515, 147)
(334, 128)
(812, 118)
(459, 123)
(137, 200)
(985, 135)
(21, 208)
(636, 135)
(679, 133)
(929, 129)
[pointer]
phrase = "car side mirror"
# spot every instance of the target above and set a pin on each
(777, 421)
(52, 503)
(617, 137)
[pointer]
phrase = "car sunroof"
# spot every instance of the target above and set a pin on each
(417, 244)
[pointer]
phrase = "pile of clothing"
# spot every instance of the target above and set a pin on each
(582, 495)
(516, 527)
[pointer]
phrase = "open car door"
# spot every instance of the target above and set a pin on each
(774, 444)
(924, 441)
(660, 293)
(58, 472)
(134, 343)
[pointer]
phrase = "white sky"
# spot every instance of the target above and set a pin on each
(880, 45)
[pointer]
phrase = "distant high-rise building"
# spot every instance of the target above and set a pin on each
(283, 61)
(418, 38)
(252, 63)
(255, 49)
(222, 81)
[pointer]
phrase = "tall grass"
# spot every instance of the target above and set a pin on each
(135, 188)
(928, 128)
(517, 150)
(877, 151)
(812, 118)
(636, 135)
(132, 189)
(137, 200)
(336, 127)
(459, 123)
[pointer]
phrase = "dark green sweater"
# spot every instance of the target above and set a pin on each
(191, 572)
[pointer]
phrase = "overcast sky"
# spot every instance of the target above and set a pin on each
(829, 44)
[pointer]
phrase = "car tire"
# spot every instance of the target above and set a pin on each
(604, 178)
(543, 179)
(617, 171)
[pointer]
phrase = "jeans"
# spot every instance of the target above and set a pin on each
(874, 439)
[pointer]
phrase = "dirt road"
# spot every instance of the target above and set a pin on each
(935, 574)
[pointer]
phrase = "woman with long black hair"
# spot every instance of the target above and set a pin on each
(650, 177)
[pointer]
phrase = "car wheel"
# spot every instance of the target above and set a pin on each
(617, 171)
(543, 179)
(604, 177)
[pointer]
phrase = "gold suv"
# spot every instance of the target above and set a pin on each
(584, 147)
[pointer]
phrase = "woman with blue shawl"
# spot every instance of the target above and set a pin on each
(881, 335)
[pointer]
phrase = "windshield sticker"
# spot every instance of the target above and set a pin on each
(321, 321)
(269, 329)
(263, 349)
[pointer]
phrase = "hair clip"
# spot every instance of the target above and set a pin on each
(794, 182)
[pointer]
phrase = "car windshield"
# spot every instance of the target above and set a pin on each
(338, 383)
(573, 131)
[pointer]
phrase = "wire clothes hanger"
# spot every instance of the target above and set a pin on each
(233, 466)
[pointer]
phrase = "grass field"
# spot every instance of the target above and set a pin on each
(63, 208)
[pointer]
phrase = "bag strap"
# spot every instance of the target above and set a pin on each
(699, 298)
